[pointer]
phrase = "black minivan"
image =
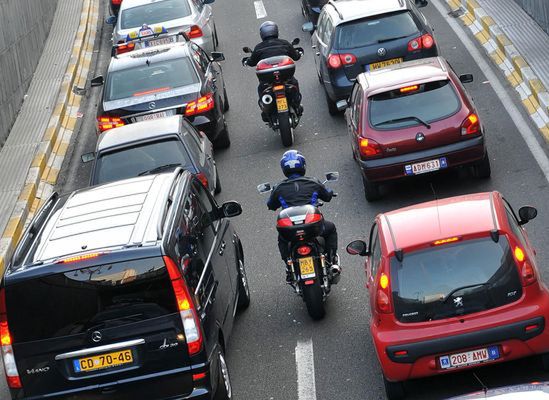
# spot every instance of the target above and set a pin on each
(126, 290)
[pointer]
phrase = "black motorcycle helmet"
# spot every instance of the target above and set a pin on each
(268, 30)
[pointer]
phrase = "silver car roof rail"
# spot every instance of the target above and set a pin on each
(332, 3)
(167, 202)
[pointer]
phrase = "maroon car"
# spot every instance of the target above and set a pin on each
(414, 118)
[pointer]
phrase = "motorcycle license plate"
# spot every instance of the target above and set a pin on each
(282, 104)
(307, 267)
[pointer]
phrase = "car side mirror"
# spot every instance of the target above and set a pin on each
(332, 176)
(88, 157)
(111, 20)
(98, 81)
(218, 56)
(295, 42)
(264, 187)
(342, 105)
(466, 78)
(358, 248)
(246, 49)
(421, 3)
(308, 27)
(207, 1)
(231, 209)
(526, 214)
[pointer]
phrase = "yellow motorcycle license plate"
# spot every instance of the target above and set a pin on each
(306, 267)
(102, 361)
(282, 104)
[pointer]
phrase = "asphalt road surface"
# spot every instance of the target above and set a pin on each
(276, 351)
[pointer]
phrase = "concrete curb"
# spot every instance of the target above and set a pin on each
(533, 94)
(44, 170)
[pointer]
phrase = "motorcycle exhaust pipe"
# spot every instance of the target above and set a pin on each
(267, 99)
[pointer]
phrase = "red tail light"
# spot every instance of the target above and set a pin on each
(527, 272)
(195, 32)
(262, 65)
(369, 148)
(304, 250)
(471, 125)
(284, 223)
(202, 105)
(124, 47)
(10, 367)
(335, 61)
(105, 123)
(383, 297)
(186, 307)
(116, 2)
(423, 42)
(312, 218)
(202, 178)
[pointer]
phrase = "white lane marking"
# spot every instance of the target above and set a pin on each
(304, 359)
(526, 132)
(260, 11)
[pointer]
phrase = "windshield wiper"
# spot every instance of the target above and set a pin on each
(389, 39)
(159, 169)
(411, 118)
(462, 288)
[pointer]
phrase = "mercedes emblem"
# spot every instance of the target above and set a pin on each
(96, 336)
(420, 137)
(152, 105)
(381, 52)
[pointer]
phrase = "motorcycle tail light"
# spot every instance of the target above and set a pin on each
(311, 218)
(202, 105)
(304, 250)
(284, 223)
(104, 123)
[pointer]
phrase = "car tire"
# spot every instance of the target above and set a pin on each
(217, 189)
(225, 100)
(482, 169)
(372, 190)
(243, 288)
(332, 107)
(394, 390)
(224, 388)
(223, 140)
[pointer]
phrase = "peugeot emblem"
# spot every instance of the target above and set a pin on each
(96, 336)
(420, 137)
(381, 52)
(152, 105)
(458, 301)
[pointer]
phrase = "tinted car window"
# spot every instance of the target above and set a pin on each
(103, 296)
(454, 280)
(154, 13)
(148, 79)
(365, 32)
(429, 102)
(132, 161)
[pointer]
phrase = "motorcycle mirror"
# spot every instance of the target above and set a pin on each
(264, 187)
(358, 248)
(246, 49)
(295, 42)
(332, 176)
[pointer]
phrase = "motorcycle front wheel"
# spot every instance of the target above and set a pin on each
(312, 294)
(286, 130)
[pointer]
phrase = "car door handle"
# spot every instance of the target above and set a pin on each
(222, 248)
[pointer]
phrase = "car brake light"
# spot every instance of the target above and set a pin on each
(81, 257)
(202, 105)
(445, 241)
(195, 32)
(186, 307)
(427, 41)
(335, 61)
(284, 223)
(470, 125)
(408, 89)
(10, 367)
(423, 42)
(202, 178)
(312, 218)
(369, 148)
(383, 299)
(105, 123)
(304, 250)
(116, 2)
(124, 47)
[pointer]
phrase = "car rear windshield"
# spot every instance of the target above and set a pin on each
(104, 296)
(141, 159)
(369, 31)
(454, 280)
(404, 107)
(150, 78)
(154, 13)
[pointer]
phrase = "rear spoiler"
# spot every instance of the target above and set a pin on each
(141, 42)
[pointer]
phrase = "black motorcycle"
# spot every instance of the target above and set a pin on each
(275, 73)
(311, 269)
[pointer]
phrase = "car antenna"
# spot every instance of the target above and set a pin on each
(484, 387)
(148, 63)
(436, 200)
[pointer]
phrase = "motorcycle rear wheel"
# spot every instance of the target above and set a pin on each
(286, 130)
(312, 294)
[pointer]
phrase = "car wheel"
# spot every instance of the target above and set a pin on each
(217, 189)
(393, 390)
(225, 100)
(371, 190)
(482, 169)
(332, 107)
(224, 389)
(243, 288)
(223, 140)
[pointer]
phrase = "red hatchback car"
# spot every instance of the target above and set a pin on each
(453, 284)
(413, 118)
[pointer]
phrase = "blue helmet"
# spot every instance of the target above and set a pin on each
(292, 163)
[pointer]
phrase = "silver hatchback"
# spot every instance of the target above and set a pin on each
(191, 16)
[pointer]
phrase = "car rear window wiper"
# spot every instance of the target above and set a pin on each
(393, 38)
(403, 119)
(159, 169)
(462, 288)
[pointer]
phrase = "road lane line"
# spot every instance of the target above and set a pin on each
(526, 132)
(304, 359)
(260, 11)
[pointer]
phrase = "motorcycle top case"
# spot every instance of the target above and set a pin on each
(275, 69)
(299, 223)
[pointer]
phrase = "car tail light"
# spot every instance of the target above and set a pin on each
(200, 376)
(527, 272)
(186, 307)
(335, 61)
(105, 123)
(116, 2)
(470, 126)
(383, 297)
(202, 178)
(124, 47)
(423, 42)
(202, 105)
(284, 223)
(312, 218)
(369, 148)
(304, 250)
(195, 32)
(10, 367)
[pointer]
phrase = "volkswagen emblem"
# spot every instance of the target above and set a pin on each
(152, 105)
(96, 336)
(381, 52)
(420, 137)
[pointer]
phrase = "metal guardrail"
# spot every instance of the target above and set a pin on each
(538, 9)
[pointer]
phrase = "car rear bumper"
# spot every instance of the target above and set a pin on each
(456, 154)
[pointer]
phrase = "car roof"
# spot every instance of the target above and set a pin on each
(152, 54)
(424, 70)
(143, 130)
(425, 223)
(350, 10)
(136, 3)
(111, 216)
